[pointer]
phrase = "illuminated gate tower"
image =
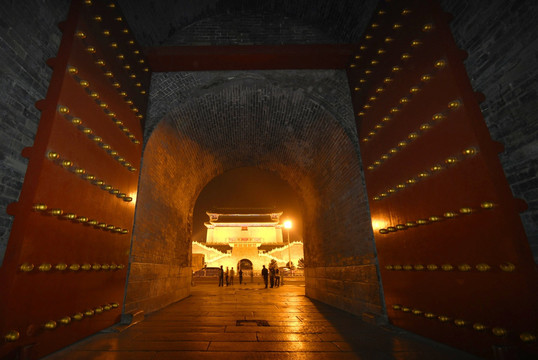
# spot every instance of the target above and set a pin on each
(254, 235)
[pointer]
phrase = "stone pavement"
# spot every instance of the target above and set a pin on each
(250, 322)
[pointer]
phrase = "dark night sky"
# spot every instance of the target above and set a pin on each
(247, 187)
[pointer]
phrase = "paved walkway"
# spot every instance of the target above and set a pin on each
(219, 323)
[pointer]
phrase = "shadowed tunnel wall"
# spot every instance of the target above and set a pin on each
(261, 120)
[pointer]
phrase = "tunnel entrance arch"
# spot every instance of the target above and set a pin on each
(257, 120)
(239, 215)
(244, 264)
(248, 188)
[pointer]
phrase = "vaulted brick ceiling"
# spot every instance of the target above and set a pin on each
(298, 124)
(164, 22)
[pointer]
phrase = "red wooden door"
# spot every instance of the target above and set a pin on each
(455, 263)
(65, 267)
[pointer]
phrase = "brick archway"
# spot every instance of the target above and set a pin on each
(244, 264)
(250, 122)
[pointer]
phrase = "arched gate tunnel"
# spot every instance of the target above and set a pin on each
(239, 120)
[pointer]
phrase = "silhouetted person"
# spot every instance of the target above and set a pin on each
(240, 276)
(227, 276)
(265, 275)
(232, 274)
(277, 277)
(221, 276)
(272, 276)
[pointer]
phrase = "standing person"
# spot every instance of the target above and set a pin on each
(221, 276)
(272, 276)
(232, 274)
(240, 276)
(265, 275)
(252, 276)
(227, 276)
(277, 277)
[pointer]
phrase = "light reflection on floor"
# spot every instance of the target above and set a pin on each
(205, 326)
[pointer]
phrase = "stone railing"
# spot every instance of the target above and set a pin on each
(208, 250)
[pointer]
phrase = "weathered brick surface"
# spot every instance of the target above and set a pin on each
(500, 37)
(160, 259)
(226, 22)
(362, 296)
(327, 88)
(247, 28)
(28, 37)
(353, 288)
(153, 294)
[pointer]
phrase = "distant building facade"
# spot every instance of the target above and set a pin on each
(246, 239)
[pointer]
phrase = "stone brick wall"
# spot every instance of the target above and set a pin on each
(500, 37)
(227, 22)
(28, 37)
(298, 124)
(159, 263)
(248, 29)
(353, 288)
(327, 88)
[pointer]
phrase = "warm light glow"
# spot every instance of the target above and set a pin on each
(133, 197)
(245, 234)
(379, 224)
